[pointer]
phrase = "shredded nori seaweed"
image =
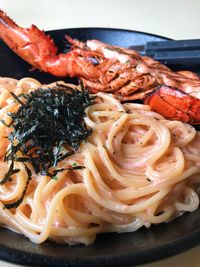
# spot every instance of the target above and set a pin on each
(47, 121)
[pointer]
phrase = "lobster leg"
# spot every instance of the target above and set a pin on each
(174, 104)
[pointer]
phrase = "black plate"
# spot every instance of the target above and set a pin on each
(128, 249)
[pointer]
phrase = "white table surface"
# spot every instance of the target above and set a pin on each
(178, 19)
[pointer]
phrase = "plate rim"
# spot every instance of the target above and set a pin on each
(112, 29)
(34, 259)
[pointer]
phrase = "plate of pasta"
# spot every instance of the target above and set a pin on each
(87, 179)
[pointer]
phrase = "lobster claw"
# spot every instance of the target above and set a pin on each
(174, 104)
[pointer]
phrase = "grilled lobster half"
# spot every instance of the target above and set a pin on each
(106, 68)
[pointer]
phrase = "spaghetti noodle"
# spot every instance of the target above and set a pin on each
(140, 169)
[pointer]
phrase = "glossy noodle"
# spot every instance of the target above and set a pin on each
(140, 169)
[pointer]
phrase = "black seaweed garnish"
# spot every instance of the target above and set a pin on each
(8, 175)
(47, 128)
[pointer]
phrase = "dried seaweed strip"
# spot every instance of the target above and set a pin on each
(46, 120)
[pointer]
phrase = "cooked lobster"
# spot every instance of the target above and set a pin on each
(103, 67)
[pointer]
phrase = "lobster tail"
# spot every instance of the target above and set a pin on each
(174, 104)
